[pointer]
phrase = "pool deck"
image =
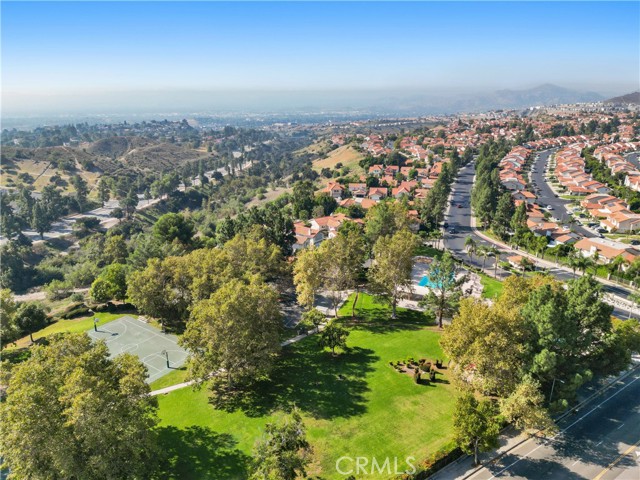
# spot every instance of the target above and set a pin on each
(420, 269)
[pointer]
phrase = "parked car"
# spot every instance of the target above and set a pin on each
(453, 230)
(635, 242)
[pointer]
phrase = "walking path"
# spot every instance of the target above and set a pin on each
(323, 308)
(41, 295)
(295, 339)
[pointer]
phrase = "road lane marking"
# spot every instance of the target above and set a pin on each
(565, 429)
(577, 461)
(622, 425)
(613, 464)
(595, 408)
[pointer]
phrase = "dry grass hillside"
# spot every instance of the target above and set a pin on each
(346, 155)
(42, 166)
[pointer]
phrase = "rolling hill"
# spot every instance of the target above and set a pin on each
(633, 97)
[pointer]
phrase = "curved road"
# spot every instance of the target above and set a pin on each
(459, 217)
(547, 195)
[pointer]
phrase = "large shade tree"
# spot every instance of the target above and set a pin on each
(390, 274)
(72, 412)
(235, 333)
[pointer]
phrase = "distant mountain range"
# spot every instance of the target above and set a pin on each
(339, 104)
(546, 94)
(542, 95)
(626, 99)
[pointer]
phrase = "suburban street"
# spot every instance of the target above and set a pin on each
(547, 196)
(601, 441)
(460, 219)
(634, 158)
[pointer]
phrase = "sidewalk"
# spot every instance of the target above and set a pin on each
(463, 468)
(621, 301)
(295, 339)
(554, 189)
(327, 310)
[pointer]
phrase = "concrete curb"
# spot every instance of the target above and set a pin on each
(563, 415)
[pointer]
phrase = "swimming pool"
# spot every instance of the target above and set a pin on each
(425, 282)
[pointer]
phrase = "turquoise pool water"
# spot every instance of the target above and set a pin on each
(426, 282)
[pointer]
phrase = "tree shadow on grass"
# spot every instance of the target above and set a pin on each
(375, 317)
(307, 376)
(200, 453)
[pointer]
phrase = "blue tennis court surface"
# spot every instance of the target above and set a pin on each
(129, 335)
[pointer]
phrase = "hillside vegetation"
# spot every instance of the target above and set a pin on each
(346, 155)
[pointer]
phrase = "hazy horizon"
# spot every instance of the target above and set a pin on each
(104, 57)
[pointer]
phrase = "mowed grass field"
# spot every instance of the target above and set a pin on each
(76, 325)
(353, 404)
(492, 287)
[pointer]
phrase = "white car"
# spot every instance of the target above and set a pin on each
(549, 207)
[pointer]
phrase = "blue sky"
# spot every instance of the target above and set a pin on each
(96, 47)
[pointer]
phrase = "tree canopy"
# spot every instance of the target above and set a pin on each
(72, 412)
(234, 333)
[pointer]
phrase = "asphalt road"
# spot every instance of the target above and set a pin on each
(64, 226)
(459, 217)
(634, 158)
(601, 442)
(546, 195)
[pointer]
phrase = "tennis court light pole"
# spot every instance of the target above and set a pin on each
(166, 355)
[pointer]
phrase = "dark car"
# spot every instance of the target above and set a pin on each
(459, 206)
(453, 230)
(635, 242)
(445, 224)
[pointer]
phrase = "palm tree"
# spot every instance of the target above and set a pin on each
(540, 245)
(483, 252)
(635, 298)
(470, 246)
(584, 263)
(495, 253)
(525, 264)
(574, 261)
(437, 235)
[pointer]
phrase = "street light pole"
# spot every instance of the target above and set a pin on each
(552, 387)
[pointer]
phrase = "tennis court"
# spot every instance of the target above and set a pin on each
(129, 335)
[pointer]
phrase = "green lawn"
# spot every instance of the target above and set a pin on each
(73, 326)
(427, 251)
(172, 378)
(492, 287)
(354, 404)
